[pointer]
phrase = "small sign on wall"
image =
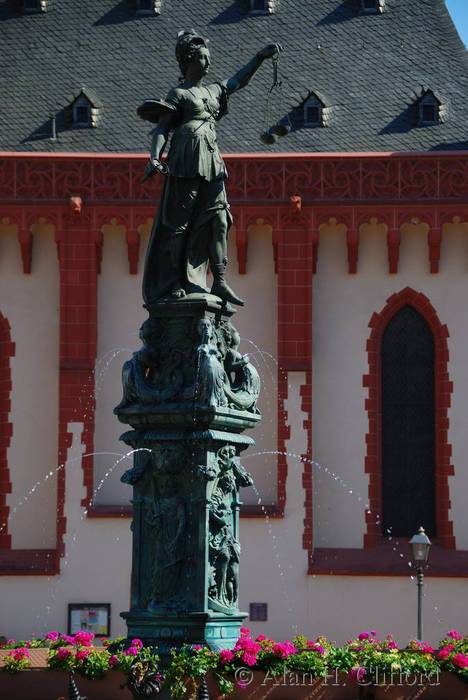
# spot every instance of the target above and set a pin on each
(89, 617)
(258, 612)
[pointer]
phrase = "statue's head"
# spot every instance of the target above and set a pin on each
(192, 51)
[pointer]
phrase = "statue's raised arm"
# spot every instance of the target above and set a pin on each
(246, 73)
(190, 230)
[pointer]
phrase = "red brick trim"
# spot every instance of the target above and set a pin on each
(7, 350)
(307, 474)
(29, 562)
(382, 560)
(296, 251)
(79, 260)
(283, 434)
(443, 391)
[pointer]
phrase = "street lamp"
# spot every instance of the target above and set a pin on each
(421, 544)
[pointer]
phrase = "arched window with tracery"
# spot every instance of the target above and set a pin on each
(6, 428)
(408, 425)
(408, 456)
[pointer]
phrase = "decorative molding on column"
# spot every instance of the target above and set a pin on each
(352, 243)
(25, 240)
(241, 246)
(132, 238)
(443, 391)
(99, 246)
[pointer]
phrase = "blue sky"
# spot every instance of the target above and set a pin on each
(459, 11)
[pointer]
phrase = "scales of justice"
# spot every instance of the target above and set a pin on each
(189, 393)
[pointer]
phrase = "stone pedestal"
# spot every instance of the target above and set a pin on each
(188, 395)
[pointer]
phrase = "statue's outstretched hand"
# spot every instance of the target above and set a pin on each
(154, 166)
(269, 51)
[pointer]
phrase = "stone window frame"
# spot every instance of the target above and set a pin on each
(81, 103)
(266, 9)
(372, 7)
(153, 8)
(313, 102)
(428, 100)
(39, 7)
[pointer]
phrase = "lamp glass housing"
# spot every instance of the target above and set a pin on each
(421, 546)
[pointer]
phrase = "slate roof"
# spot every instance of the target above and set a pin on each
(370, 68)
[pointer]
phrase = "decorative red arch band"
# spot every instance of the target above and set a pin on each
(373, 405)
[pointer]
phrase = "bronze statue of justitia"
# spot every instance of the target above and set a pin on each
(190, 230)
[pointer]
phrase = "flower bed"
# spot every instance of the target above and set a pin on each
(255, 668)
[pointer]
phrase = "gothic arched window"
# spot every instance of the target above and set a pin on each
(408, 425)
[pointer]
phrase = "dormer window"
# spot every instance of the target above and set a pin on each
(429, 109)
(148, 7)
(33, 6)
(370, 7)
(83, 110)
(261, 7)
(313, 111)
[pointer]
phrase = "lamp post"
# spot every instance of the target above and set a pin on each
(421, 544)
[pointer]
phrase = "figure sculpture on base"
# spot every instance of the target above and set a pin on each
(188, 393)
(191, 228)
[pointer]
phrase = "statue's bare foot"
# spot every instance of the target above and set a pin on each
(178, 292)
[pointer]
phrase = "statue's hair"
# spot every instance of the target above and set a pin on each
(187, 46)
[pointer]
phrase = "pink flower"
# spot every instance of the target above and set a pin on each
(460, 660)
(131, 651)
(261, 638)
(63, 653)
(20, 654)
(113, 661)
(364, 635)
(249, 658)
(197, 647)
(357, 674)
(445, 652)
(10, 641)
(138, 643)
(82, 654)
(244, 632)
(84, 638)
(313, 646)
(455, 634)
(67, 638)
(426, 648)
(284, 649)
(249, 649)
(225, 656)
(53, 636)
(392, 644)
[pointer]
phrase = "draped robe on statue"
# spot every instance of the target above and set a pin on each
(194, 197)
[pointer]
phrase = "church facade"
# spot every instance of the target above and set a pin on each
(350, 248)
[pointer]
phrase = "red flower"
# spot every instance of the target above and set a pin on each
(455, 634)
(82, 654)
(460, 660)
(83, 638)
(63, 653)
(225, 656)
(20, 653)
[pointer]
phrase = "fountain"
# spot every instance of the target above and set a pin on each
(188, 393)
